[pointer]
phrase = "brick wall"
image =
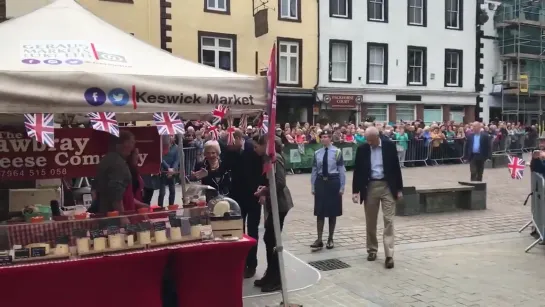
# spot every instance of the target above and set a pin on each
(469, 114)
(446, 112)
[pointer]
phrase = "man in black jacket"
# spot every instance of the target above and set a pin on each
(246, 176)
(377, 180)
(477, 151)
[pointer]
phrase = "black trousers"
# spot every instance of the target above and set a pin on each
(251, 216)
(273, 267)
(476, 167)
(148, 195)
(166, 181)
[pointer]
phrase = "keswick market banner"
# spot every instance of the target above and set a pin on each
(77, 153)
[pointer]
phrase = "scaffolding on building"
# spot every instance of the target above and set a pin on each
(520, 25)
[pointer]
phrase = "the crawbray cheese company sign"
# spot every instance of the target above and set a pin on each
(342, 101)
(76, 154)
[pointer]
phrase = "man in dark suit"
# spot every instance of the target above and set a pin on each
(246, 176)
(377, 180)
(477, 151)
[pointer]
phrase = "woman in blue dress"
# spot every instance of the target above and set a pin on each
(328, 180)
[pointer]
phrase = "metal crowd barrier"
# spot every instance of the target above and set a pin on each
(190, 159)
(427, 152)
(537, 195)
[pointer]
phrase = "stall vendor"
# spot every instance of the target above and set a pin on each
(113, 174)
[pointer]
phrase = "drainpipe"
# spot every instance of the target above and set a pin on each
(318, 64)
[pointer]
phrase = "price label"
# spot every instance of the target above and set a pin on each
(97, 233)
(22, 253)
(37, 252)
(113, 230)
(159, 226)
(5, 260)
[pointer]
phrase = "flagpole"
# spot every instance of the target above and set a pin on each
(279, 248)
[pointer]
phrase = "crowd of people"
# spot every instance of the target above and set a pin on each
(416, 142)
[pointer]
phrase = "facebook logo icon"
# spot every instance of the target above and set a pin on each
(95, 96)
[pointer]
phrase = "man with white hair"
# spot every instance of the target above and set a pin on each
(477, 151)
(377, 180)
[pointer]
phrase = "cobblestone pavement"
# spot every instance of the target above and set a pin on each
(465, 258)
(505, 212)
(482, 273)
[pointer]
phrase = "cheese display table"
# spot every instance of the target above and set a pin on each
(132, 279)
(214, 267)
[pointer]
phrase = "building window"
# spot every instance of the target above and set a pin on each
(218, 50)
(290, 10)
(406, 112)
(433, 114)
(217, 6)
(289, 61)
(340, 61)
(416, 12)
(457, 114)
(377, 63)
(453, 67)
(377, 10)
(416, 66)
(454, 14)
(378, 111)
(340, 8)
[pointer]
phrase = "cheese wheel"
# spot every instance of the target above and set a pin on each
(61, 249)
(82, 245)
(114, 241)
(161, 236)
(99, 244)
(175, 233)
(221, 208)
(144, 237)
(130, 240)
(196, 231)
(29, 246)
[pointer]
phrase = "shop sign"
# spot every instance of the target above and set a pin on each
(77, 153)
(343, 101)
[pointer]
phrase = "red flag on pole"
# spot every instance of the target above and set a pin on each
(271, 110)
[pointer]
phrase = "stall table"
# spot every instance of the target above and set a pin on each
(132, 279)
(211, 274)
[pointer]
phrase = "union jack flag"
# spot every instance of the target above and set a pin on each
(168, 123)
(213, 131)
(516, 167)
(230, 131)
(104, 121)
(243, 123)
(263, 123)
(41, 127)
(219, 113)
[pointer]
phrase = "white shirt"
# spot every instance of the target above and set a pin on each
(377, 167)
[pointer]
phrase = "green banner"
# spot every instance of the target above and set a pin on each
(301, 156)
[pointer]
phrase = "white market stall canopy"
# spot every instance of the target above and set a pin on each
(64, 59)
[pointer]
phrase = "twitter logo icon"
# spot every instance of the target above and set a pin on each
(119, 97)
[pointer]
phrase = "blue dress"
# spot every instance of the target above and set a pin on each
(327, 182)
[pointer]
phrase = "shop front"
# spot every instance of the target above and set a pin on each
(294, 105)
(340, 108)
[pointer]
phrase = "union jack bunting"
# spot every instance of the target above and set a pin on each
(516, 167)
(41, 127)
(168, 123)
(104, 121)
(219, 113)
(243, 124)
(213, 132)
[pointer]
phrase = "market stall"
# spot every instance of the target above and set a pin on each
(67, 66)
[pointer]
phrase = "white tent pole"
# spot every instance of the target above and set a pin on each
(279, 249)
(182, 167)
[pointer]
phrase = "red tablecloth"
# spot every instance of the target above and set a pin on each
(211, 274)
(126, 280)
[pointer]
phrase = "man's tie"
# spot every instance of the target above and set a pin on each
(325, 167)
